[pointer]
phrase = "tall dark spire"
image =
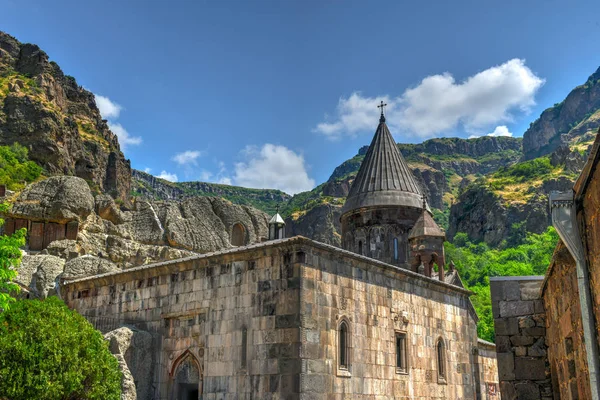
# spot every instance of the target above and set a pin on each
(383, 179)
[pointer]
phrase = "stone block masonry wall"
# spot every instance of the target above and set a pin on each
(589, 223)
(201, 310)
(286, 299)
(566, 344)
(520, 326)
(377, 303)
(488, 370)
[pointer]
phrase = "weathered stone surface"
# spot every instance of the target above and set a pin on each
(515, 308)
(44, 278)
(523, 363)
(87, 266)
(107, 209)
(58, 198)
(506, 366)
(39, 273)
(528, 368)
(133, 348)
(527, 391)
(321, 223)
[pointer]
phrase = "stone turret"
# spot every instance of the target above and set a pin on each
(383, 204)
(426, 241)
(276, 227)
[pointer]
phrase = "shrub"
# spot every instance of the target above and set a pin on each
(50, 352)
(15, 167)
(10, 258)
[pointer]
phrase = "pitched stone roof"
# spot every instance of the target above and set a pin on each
(383, 179)
(426, 226)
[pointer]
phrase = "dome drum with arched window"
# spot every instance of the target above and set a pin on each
(383, 204)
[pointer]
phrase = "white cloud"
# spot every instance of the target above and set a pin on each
(438, 104)
(147, 170)
(273, 167)
(501, 130)
(187, 157)
(225, 181)
(111, 111)
(205, 175)
(167, 176)
(125, 139)
(108, 108)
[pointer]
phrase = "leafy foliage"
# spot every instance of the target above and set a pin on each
(15, 167)
(477, 262)
(526, 170)
(10, 257)
(50, 352)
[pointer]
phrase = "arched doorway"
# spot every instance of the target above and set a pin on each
(238, 235)
(187, 380)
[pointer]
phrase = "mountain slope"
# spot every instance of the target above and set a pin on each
(149, 187)
(561, 123)
(57, 120)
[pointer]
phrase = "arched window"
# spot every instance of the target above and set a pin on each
(360, 247)
(441, 359)
(238, 235)
(343, 338)
(396, 249)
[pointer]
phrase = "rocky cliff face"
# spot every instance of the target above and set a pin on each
(565, 120)
(49, 113)
(149, 187)
(110, 238)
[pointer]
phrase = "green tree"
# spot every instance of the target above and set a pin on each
(10, 257)
(477, 262)
(48, 351)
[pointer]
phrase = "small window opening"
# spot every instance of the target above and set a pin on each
(396, 249)
(441, 360)
(244, 355)
(343, 346)
(360, 251)
(401, 356)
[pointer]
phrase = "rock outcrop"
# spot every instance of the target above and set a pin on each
(564, 120)
(87, 265)
(133, 349)
(39, 273)
(57, 120)
(321, 223)
(57, 199)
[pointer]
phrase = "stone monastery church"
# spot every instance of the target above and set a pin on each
(292, 318)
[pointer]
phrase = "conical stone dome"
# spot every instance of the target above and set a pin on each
(383, 179)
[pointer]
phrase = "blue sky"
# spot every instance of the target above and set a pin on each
(278, 93)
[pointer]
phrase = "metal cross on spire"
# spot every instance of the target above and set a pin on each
(382, 105)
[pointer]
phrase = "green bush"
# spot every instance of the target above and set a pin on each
(526, 170)
(50, 352)
(10, 258)
(15, 167)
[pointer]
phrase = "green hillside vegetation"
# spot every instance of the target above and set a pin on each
(266, 200)
(15, 168)
(477, 262)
